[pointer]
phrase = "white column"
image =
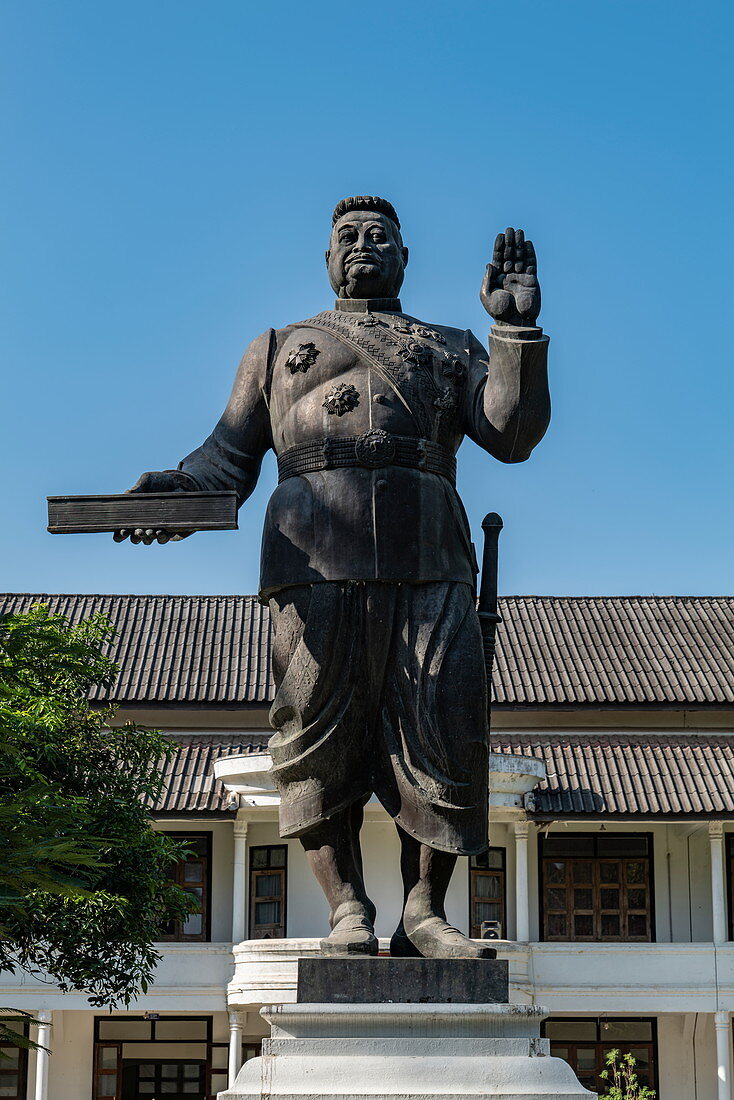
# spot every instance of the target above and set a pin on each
(522, 897)
(718, 889)
(43, 1038)
(239, 880)
(236, 1024)
(722, 1027)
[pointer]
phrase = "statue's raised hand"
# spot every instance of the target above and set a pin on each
(510, 290)
(157, 481)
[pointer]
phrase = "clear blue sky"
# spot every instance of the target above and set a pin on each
(169, 171)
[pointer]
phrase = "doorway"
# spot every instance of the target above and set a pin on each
(163, 1080)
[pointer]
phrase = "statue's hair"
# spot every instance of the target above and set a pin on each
(365, 202)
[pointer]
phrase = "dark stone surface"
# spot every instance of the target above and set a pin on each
(384, 980)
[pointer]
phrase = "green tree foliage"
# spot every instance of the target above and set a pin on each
(84, 880)
(622, 1079)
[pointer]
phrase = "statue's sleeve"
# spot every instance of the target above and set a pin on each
(232, 455)
(507, 403)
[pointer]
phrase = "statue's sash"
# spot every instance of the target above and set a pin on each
(372, 353)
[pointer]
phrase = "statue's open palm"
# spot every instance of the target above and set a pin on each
(510, 290)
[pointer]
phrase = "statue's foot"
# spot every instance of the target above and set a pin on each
(434, 938)
(352, 935)
(401, 947)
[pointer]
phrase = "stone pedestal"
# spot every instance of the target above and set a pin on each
(409, 1044)
(351, 981)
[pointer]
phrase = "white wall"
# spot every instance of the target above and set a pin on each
(381, 848)
(308, 912)
(700, 880)
(687, 1057)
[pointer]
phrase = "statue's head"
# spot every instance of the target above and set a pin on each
(366, 256)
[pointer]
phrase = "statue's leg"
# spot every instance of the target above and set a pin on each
(320, 749)
(334, 855)
(426, 875)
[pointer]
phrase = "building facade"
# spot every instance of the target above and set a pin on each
(608, 882)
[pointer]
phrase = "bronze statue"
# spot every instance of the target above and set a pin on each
(367, 561)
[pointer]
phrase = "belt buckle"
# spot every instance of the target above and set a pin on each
(375, 448)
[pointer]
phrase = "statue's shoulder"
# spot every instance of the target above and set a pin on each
(281, 335)
(324, 315)
(445, 330)
(296, 340)
(276, 338)
(454, 338)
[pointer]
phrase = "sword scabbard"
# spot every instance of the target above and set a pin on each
(487, 606)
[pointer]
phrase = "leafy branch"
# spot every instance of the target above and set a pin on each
(623, 1083)
(84, 880)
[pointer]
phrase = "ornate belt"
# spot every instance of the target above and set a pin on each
(371, 450)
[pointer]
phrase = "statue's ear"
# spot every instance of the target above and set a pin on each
(405, 257)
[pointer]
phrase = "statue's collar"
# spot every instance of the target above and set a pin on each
(368, 305)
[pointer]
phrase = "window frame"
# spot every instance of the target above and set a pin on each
(22, 1061)
(599, 1021)
(500, 873)
(204, 1068)
(253, 873)
(649, 837)
(206, 933)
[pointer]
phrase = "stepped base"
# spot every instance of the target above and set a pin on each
(405, 1052)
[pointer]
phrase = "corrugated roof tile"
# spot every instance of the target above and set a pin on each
(551, 650)
(630, 775)
(189, 782)
(643, 775)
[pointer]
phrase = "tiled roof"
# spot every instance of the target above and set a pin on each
(629, 774)
(562, 651)
(616, 650)
(189, 650)
(190, 786)
(638, 775)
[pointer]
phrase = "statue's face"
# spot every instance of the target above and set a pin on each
(366, 257)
